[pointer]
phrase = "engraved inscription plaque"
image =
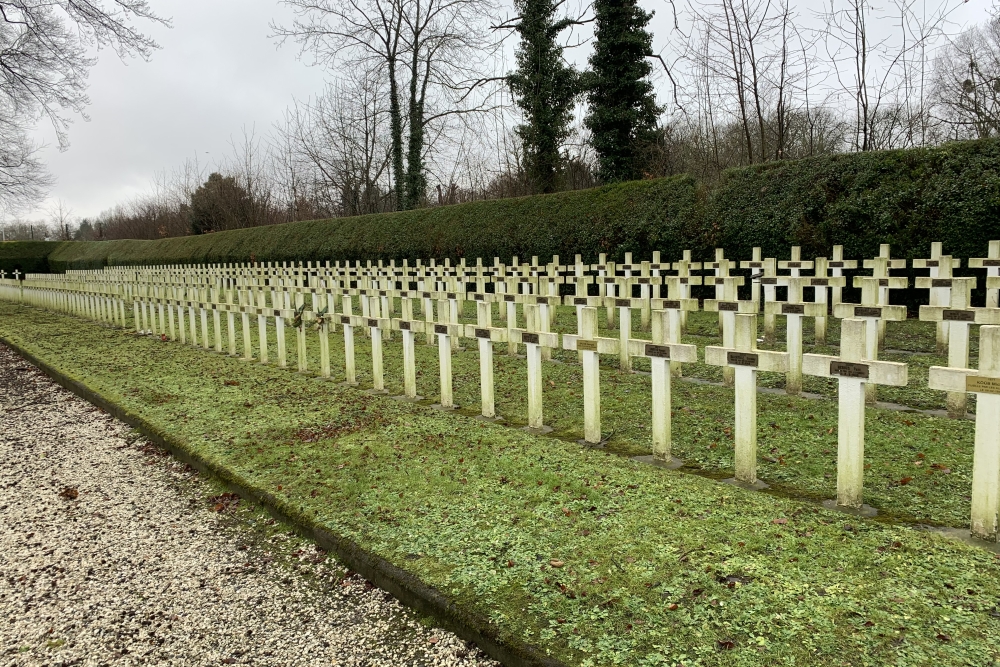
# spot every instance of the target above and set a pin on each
(729, 305)
(849, 370)
(480, 297)
(793, 309)
(959, 315)
(982, 385)
(586, 345)
(529, 338)
(344, 319)
(660, 351)
(672, 304)
(581, 301)
(623, 303)
(482, 333)
(940, 282)
(991, 262)
(404, 326)
(373, 323)
(440, 328)
(862, 311)
(741, 359)
(883, 282)
(820, 282)
(768, 281)
(509, 298)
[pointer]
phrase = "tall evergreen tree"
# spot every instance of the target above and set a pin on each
(623, 110)
(545, 88)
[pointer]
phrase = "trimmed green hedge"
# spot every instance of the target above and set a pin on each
(906, 198)
(28, 256)
(639, 217)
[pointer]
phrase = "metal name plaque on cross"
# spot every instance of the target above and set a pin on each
(451, 295)
(480, 297)
(344, 319)
(820, 282)
(793, 309)
(482, 333)
(883, 282)
(586, 345)
(643, 281)
(581, 301)
(542, 300)
(867, 312)
(672, 305)
(835, 265)
(685, 281)
(659, 351)
(793, 265)
(959, 315)
(847, 369)
(404, 326)
(940, 282)
(529, 338)
(755, 265)
(373, 324)
(623, 303)
(729, 305)
(931, 263)
(509, 298)
(991, 262)
(741, 359)
(982, 385)
(441, 328)
(768, 281)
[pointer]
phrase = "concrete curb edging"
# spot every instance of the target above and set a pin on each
(403, 585)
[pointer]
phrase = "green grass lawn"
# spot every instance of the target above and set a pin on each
(596, 558)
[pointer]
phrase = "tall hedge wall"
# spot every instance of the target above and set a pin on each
(906, 198)
(27, 256)
(639, 217)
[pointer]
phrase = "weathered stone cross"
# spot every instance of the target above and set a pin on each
(992, 265)
(853, 370)
(747, 360)
(985, 383)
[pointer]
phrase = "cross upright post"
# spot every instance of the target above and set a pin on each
(409, 328)
(347, 321)
(445, 332)
(756, 264)
(769, 281)
(881, 266)
(985, 383)
(684, 267)
(853, 370)
(822, 282)
(747, 360)
(992, 265)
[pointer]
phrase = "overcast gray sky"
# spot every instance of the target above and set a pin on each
(218, 72)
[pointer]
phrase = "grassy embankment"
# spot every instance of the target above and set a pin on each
(599, 559)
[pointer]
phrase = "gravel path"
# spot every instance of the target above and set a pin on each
(112, 553)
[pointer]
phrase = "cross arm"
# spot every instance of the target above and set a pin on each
(674, 304)
(591, 301)
(891, 283)
(615, 302)
(445, 329)
(715, 305)
(785, 308)
(973, 315)
(842, 264)
(956, 263)
(944, 378)
(993, 282)
(875, 372)
(785, 265)
(957, 283)
(644, 280)
(672, 351)
(573, 342)
(892, 264)
(493, 334)
(761, 360)
(674, 281)
(849, 310)
(542, 338)
(983, 263)
(723, 280)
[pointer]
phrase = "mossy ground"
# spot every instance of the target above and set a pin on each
(596, 558)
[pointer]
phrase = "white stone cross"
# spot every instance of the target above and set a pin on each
(409, 328)
(624, 306)
(837, 266)
(853, 371)
(880, 267)
(727, 307)
(992, 265)
(662, 352)
(794, 310)
(347, 320)
(958, 315)
(486, 334)
(592, 347)
(533, 341)
(941, 269)
(875, 315)
(675, 309)
(821, 283)
(795, 264)
(747, 360)
(985, 383)
(682, 288)
(756, 266)
(445, 333)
